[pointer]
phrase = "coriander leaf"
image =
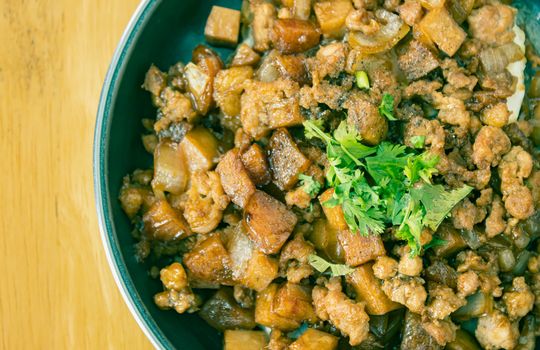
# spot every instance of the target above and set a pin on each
(347, 136)
(322, 265)
(362, 80)
(418, 141)
(436, 241)
(313, 129)
(363, 221)
(421, 167)
(438, 202)
(386, 108)
(309, 185)
(388, 162)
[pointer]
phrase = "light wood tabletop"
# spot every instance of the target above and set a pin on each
(56, 290)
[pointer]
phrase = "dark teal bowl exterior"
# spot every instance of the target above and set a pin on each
(161, 32)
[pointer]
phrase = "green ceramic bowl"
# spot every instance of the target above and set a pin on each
(161, 32)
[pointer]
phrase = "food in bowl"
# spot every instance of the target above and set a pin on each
(357, 174)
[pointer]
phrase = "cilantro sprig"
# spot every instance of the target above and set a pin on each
(383, 186)
(309, 185)
(322, 266)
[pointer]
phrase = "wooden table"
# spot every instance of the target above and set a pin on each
(56, 289)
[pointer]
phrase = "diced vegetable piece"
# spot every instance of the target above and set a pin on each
(222, 26)
(463, 341)
(256, 165)
(414, 336)
(251, 268)
(244, 340)
(360, 249)
(368, 290)
(384, 39)
(207, 59)
(266, 316)
(334, 215)
(228, 87)
(268, 221)
(208, 263)
(294, 35)
(478, 304)
(331, 16)
(286, 160)
(460, 9)
(200, 148)
(324, 238)
(439, 25)
(170, 168)
(163, 223)
(527, 340)
(454, 242)
(245, 56)
(200, 86)
(222, 312)
(234, 178)
(293, 301)
(313, 339)
(442, 273)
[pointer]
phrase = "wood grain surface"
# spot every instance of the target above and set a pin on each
(56, 289)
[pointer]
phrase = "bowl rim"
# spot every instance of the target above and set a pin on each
(109, 240)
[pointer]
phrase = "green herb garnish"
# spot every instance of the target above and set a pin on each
(386, 109)
(309, 185)
(362, 80)
(382, 186)
(418, 141)
(436, 241)
(322, 265)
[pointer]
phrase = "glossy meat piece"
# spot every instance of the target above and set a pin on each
(265, 314)
(294, 302)
(256, 165)
(234, 178)
(439, 25)
(360, 249)
(294, 35)
(164, 223)
(417, 60)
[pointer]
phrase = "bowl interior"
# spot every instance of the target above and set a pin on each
(164, 32)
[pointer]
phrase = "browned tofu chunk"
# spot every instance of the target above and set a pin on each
(313, 339)
(265, 314)
(294, 302)
(222, 312)
(222, 26)
(234, 178)
(163, 223)
(331, 16)
(244, 340)
(208, 263)
(334, 215)
(201, 149)
(256, 165)
(228, 87)
(439, 25)
(294, 35)
(264, 14)
(369, 291)
(269, 105)
(417, 60)
(245, 56)
(360, 249)
(268, 221)
(286, 160)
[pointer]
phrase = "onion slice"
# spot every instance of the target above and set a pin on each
(517, 69)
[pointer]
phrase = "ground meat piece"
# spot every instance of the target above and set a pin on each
(492, 23)
(423, 88)
(417, 60)
(245, 297)
(263, 21)
(520, 300)
(329, 61)
(496, 115)
(443, 331)
(465, 215)
(180, 301)
(365, 117)
(410, 12)
(456, 76)
(519, 202)
(452, 111)
(346, 315)
(534, 185)
(515, 166)
(469, 260)
(298, 197)
(406, 291)
(490, 145)
(443, 301)
(293, 260)
(495, 331)
(324, 93)
(486, 197)
(278, 341)
(467, 283)
(432, 131)
(495, 223)
(410, 266)
(385, 267)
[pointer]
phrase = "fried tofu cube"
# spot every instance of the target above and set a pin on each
(228, 86)
(235, 179)
(334, 215)
(256, 164)
(360, 249)
(268, 221)
(265, 314)
(201, 149)
(368, 290)
(164, 223)
(294, 302)
(286, 160)
(208, 263)
(264, 14)
(222, 26)
(244, 340)
(313, 339)
(331, 16)
(439, 25)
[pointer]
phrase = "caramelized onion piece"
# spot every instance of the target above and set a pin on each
(387, 37)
